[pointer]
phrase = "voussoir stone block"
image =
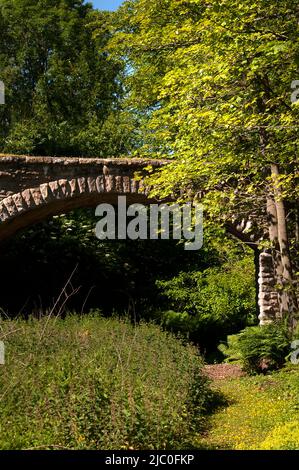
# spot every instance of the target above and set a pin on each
(126, 184)
(4, 214)
(134, 186)
(55, 188)
(10, 206)
(28, 199)
(100, 184)
(82, 185)
(92, 185)
(37, 196)
(19, 202)
(46, 192)
(109, 183)
(119, 184)
(65, 188)
(74, 187)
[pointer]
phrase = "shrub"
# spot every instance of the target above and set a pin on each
(257, 348)
(91, 383)
(211, 304)
(285, 437)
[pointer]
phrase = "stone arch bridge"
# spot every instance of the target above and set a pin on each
(35, 188)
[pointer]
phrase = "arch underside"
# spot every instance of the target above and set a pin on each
(34, 205)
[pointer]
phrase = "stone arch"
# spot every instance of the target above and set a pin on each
(33, 205)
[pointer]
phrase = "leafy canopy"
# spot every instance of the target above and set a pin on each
(209, 78)
(63, 92)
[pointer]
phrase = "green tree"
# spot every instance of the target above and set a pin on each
(63, 92)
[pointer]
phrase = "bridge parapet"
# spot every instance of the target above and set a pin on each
(20, 172)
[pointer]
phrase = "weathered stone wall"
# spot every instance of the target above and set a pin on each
(22, 172)
(268, 294)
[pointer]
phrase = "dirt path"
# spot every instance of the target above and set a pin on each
(223, 371)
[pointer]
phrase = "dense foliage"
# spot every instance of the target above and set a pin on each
(209, 78)
(259, 349)
(207, 305)
(62, 92)
(90, 383)
(113, 275)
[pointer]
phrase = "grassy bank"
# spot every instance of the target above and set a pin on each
(92, 383)
(262, 412)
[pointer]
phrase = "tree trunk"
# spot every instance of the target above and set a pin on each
(276, 255)
(279, 232)
(277, 224)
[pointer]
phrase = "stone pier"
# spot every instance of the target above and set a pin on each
(268, 297)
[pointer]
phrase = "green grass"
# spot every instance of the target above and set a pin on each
(92, 383)
(262, 413)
